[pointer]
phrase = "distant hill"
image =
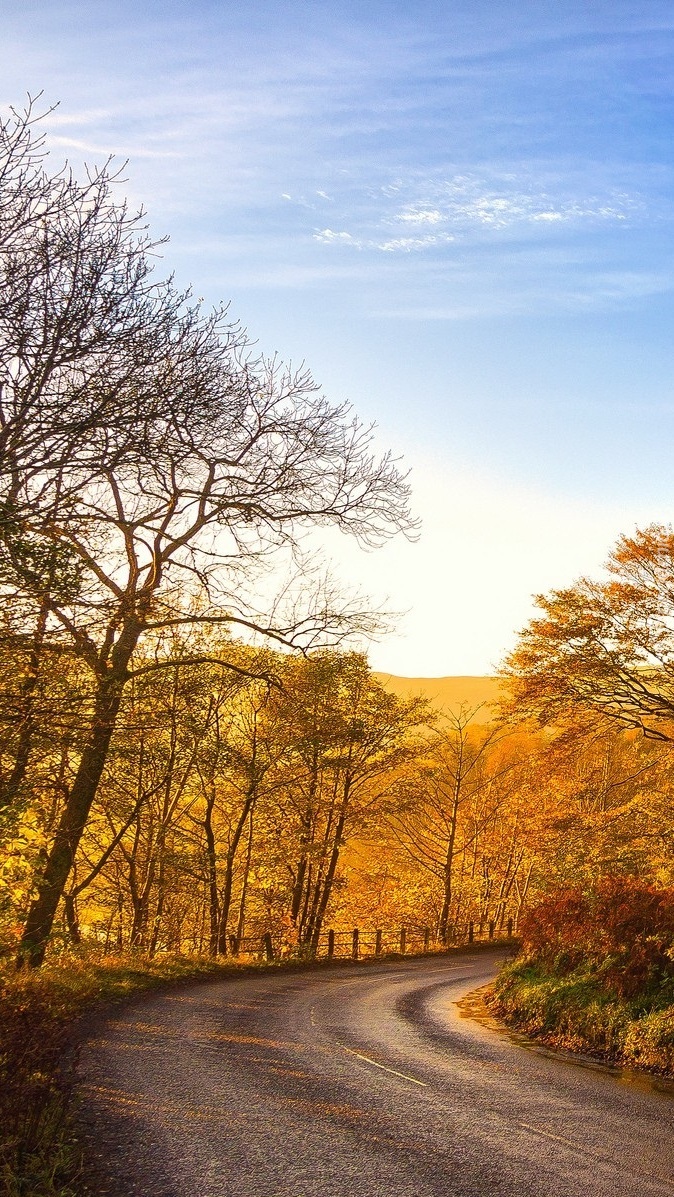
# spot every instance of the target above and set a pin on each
(448, 694)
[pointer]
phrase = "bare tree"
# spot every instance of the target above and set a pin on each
(150, 467)
(89, 348)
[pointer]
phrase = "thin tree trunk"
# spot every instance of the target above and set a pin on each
(306, 838)
(211, 865)
(229, 868)
(25, 743)
(314, 887)
(72, 920)
(449, 862)
(161, 897)
(244, 885)
(329, 876)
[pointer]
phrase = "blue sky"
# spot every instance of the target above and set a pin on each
(459, 214)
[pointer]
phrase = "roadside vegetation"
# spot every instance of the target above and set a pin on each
(596, 974)
(595, 671)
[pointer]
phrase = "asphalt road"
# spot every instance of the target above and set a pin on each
(365, 1082)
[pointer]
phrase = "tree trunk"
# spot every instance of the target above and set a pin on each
(78, 805)
(315, 883)
(449, 862)
(244, 884)
(317, 922)
(212, 870)
(229, 868)
(161, 897)
(306, 840)
(72, 920)
(11, 788)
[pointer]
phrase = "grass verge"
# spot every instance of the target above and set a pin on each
(577, 1011)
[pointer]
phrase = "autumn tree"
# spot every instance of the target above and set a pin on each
(235, 758)
(454, 818)
(604, 804)
(346, 740)
(88, 349)
(605, 647)
(595, 669)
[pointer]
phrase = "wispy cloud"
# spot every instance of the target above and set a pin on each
(390, 245)
(334, 155)
(112, 148)
(328, 237)
(409, 244)
(422, 215)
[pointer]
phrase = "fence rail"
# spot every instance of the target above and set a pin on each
(358, 944)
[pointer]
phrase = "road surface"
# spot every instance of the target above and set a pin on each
(365, 1082)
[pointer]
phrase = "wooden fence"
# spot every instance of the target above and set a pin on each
(358, 944)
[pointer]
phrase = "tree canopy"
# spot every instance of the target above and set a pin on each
(606, 647)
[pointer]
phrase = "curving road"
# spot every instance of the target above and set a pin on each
(357, 1082)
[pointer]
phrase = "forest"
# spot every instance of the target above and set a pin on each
(193, 754)
(233, 804)
(375, 386)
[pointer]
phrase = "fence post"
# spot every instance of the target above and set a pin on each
(268, 945)
(471, 933)
(491, 929)
(233, 945)
(510, 928)
(331, 944)
(403, 940)
(354, 944)
(377, 943)
(427, 938)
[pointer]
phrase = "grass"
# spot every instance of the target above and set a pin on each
(578, 1011)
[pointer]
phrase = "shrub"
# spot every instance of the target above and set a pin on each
(555, 928)
(624, 927)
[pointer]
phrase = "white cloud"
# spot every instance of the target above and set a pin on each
(64, 118)
(389, 245)
(328, 237)
(473, 200)
(413, 215)
(408, 244)
(105, 151)
(468, 209)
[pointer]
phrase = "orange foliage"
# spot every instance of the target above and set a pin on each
(624, 926)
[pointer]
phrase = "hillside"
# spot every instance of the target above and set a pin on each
(448, 694)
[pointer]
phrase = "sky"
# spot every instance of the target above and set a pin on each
(458, 214)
